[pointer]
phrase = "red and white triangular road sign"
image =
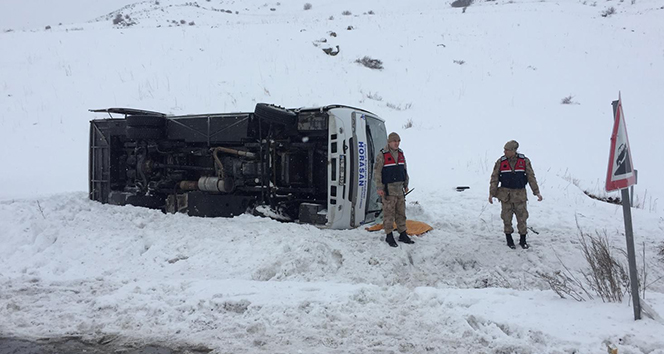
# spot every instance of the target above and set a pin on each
(620, 173)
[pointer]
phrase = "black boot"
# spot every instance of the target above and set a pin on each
(390, 240)
(523, 242)
(403, 237)
(510, 241)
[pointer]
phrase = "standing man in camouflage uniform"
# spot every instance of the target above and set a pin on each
(392, 183)
(513, 171)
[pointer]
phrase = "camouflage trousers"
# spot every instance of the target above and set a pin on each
(394, 209)
(519, 209)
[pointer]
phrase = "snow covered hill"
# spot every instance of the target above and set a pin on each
(467, 80)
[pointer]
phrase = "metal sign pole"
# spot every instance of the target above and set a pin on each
(627, 210)
(631, 254)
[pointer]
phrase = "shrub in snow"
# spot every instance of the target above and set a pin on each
(460, 62)
(371, 12)
(307, 6)
(563, 284)
(123, 21)
(606, 278)
(48, 27)
(331, 51)
(191, 23)
(374, 96)
(182, 22)
(370, 63)
(608, 12)
(409, 123)
(398, 107)
(346, 13)
(567, 100)
(461, 3)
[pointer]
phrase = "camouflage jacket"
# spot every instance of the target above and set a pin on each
(508, 194)
(395, 188)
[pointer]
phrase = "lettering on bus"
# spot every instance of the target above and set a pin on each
(361, 151)
(362, 172)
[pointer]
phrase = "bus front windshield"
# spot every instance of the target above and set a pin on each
(377, 136)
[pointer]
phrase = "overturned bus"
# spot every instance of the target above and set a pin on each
(310, 165)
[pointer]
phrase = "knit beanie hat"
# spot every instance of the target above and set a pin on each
(393, 137)
(511, 145)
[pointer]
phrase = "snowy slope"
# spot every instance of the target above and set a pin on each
(74, 267)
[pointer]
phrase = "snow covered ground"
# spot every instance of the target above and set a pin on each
(469, 81)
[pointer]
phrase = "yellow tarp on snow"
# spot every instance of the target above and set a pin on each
(413, 228)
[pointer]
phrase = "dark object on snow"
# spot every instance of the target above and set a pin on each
(510, 241)
(370, 63)
(390, 240)
(523, 243)
(533, 230)
(462, 188)
(462, 3)
(330, 51)
(403, 237)
(612, 200)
